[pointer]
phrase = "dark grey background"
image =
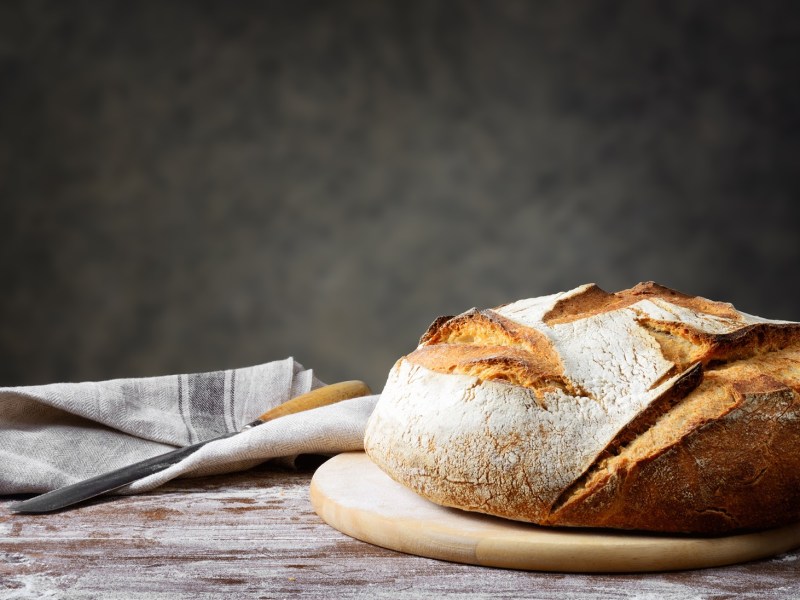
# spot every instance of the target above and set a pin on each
(191, 186)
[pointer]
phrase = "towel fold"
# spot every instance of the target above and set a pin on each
(57, 434)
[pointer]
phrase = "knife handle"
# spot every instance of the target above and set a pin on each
(329, 394)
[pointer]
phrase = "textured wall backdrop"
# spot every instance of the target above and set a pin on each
(191, 186)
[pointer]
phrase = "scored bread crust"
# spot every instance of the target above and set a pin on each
(644, 409)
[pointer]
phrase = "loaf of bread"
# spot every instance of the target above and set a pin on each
(645, 409)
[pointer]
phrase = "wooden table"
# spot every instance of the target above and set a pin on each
(255, 535)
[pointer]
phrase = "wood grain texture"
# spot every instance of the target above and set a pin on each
(353, 495)
(255, 535)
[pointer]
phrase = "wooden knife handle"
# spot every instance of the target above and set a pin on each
(329, 394)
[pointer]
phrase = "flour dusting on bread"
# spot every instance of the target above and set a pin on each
(643, 409)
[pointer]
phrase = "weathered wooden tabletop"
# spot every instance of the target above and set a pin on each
(255, 535)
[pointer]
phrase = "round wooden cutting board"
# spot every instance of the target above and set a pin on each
(354, 496)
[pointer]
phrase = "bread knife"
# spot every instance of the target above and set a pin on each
(107, 482)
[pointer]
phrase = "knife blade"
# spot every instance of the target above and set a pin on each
(112, 480)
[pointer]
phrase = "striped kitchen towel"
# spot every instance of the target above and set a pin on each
(57, 434)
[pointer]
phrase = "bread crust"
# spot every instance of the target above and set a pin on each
(645, 409)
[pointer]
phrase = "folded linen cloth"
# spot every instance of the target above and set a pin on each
(58, 434)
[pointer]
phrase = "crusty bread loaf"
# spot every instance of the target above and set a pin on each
(646, 409)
